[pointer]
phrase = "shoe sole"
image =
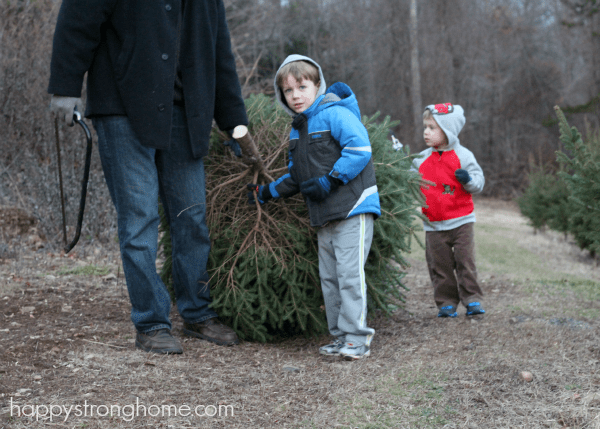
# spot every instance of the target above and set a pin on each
(166, 351)
(324, 353)
(212, 340)
(356, 357)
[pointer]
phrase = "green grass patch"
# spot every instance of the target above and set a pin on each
(499, 250)
(87, 270)
(582, 290)
(567, 297)
(405, 399)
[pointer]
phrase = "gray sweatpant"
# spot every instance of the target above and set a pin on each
(343, 249)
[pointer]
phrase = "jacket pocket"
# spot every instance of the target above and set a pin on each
(318, 140)
(323, 152)
(356, 186)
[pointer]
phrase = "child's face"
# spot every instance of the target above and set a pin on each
(299, 94)
(433, 134)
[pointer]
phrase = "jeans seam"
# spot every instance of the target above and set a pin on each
(156, 328)
(203, 319)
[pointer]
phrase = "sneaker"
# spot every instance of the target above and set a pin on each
(158, 341)
(448, 311)
(474, 308)
(352, 351)
(332, 349)
(212, 330)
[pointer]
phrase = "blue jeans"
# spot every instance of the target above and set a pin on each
(136, 176)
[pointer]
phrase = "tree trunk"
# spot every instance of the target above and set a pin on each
(416, 73)
(595, 37)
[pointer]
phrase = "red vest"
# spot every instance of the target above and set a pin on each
(447, 199)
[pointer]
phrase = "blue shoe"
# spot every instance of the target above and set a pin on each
(474, 308)
(448, 311)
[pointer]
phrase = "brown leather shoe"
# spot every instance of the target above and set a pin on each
(212, 330)
(158, 341)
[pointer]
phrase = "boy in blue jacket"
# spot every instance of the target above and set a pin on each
(330, 164)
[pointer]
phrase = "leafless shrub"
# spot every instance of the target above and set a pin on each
(506, 65)
(28, 164)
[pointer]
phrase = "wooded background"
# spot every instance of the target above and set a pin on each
(506, 62)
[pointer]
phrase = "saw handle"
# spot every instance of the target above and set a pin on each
(86, 176)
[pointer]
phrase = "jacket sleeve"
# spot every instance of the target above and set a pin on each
(347, 129)
(76, 37)
(469, 163)
(418, 160)
(414, 166)
(285, 186)
(230, 110)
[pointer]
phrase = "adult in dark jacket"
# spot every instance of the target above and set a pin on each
(157, 75)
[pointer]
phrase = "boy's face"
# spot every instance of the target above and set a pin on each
(299, 94)
(433, 134)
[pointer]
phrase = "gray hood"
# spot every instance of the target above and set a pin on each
(291, 59)
(451, 123)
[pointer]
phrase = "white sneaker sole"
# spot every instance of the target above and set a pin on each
(351, 357)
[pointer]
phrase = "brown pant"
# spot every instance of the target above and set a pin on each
(447, 252)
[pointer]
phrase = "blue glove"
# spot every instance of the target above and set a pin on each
(235, 147)
(462, 176)
(263, 193)
(319, 188)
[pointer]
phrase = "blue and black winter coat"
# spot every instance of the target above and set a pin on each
(332, 141)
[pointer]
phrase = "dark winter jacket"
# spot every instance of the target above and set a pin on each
(129, 49)
(332, 141)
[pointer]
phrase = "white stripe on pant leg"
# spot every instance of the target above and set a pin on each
(363, 283)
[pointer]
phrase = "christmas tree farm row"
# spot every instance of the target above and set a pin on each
(568, 201)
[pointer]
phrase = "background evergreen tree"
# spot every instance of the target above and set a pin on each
(581, 162)
(545, 201)
(263, 263)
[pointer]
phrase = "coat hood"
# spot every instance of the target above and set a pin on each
(338, 94)
(278, 93)
(450, 118)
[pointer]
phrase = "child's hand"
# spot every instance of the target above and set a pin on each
(318, 188)
(462, 176)
(263, 193)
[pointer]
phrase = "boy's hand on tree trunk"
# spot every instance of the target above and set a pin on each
(262, 192)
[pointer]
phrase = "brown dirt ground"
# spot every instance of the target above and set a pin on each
(67, 340)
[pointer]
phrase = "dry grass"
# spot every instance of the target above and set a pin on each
(76, 345)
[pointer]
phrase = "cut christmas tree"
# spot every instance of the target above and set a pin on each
(263, 263)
